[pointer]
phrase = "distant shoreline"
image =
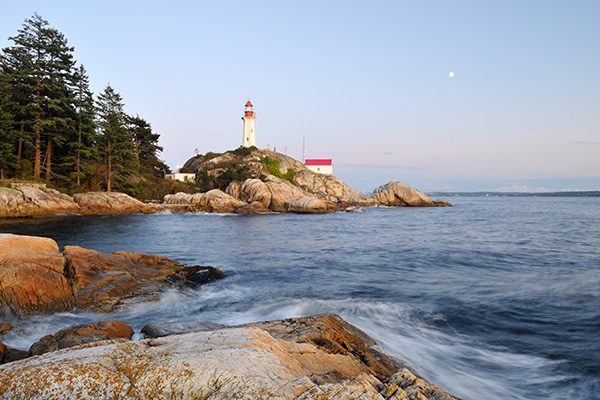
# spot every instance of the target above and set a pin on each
(591, 193)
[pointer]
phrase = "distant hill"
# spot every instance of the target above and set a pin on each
(592, 193)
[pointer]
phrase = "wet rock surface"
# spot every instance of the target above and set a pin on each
(319, 357)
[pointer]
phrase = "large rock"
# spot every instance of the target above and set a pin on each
(39, 201)
(102, 282)
(111, 203)
(32, 277)
(309, 205)
(28, 201)
(255, 190)
(212, 201)
(400, 194)
(282, 192)
(81, 334)
(308, 358)
(36, 278)
(327, 187)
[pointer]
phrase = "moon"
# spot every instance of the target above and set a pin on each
(451, 74)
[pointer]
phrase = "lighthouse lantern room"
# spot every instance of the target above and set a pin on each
(249, 138)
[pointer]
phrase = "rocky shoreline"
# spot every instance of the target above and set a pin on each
(316, 357)
(248, 197)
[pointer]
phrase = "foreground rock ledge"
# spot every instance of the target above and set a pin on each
(318, 357)
(36, 278)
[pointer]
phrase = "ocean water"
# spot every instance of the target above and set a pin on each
(494, 298)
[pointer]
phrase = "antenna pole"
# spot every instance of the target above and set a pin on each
(303, 149)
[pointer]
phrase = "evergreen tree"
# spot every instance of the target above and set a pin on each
(115, 144)
(7, 154)
(59, 110)
(82, 147)
(39, 67)
(146, 148)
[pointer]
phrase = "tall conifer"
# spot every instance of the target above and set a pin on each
(115, 144)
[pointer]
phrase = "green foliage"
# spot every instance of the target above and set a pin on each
(273, 167)
(24, 169)
(50, 126)
(243, 151)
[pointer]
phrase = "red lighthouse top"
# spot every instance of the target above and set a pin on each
(249, 109)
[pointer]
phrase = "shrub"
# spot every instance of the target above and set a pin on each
(273, 167)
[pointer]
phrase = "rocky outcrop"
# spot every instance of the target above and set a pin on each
(327, 187)
(320, 357)
(401, 194)
(212, 201)
(36, 278)
(38, 201)
(310, 205)
(111, 203)
(177, 328)
(32, 278)
(81, 334)
(255, 190)
(282, 192)
(26, 201)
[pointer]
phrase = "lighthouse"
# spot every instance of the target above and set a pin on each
(249, 138)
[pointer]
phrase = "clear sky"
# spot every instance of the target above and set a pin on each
(366, 83)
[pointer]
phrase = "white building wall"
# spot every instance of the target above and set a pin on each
(321, 169)
(181, 176)
(249, 138)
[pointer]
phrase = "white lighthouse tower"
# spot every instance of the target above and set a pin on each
(249, 138)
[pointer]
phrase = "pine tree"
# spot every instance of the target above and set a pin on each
(39, 67)
(59, 110)
(146, 148)
(7, 133)
(115, 144)
(82, 146)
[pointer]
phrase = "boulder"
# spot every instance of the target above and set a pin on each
(29, 201)
(177, 328)
(307, 358)
(8, 354)
(442, 203)
(309, 205)
(282, 192)
(327, 187)
(102, 282)
(218, 201)
(5, 327)
(400, 194)
(81, 334)
(31, 277)
(212, 201)
(234, 189)
(252, 208)
(255, 190)
(111, 203)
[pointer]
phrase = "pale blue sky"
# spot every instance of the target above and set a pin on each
(366, 83)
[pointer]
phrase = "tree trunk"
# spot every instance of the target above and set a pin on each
(49, 159)
(20, 145)
(78, 162)
(37, 168)
(108, 168)
(38, 154)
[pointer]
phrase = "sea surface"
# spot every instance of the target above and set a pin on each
(494, 298)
